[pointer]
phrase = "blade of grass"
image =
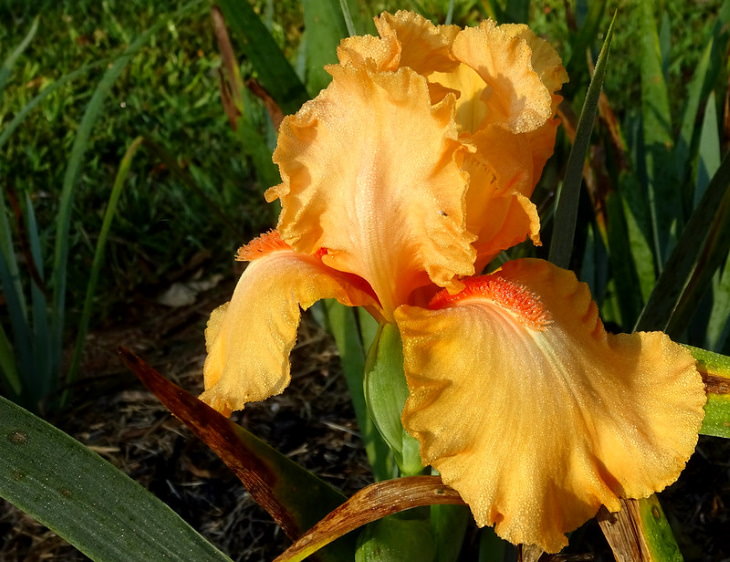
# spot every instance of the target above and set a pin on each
(566, 211)
(449, 13)
(86, 500)
(274, 72)
(9, 62)
(345, 8)
(688, 270)
(111, 208)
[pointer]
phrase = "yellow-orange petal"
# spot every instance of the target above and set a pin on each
(536, 415)
(503, 172)
(249, 339)
(521, 72)
(372, 172)
(363, 50)
(424, 47)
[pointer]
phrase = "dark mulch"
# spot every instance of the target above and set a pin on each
(312, 422)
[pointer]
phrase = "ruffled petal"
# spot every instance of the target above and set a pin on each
(520, 70)
(425, 47)
(503, 172)
(536, 415)
(249, 339)
(372, 173)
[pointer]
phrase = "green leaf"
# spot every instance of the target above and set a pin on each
(704, 76)
(566, 210)
(342, 324)
(111, 209)
(273, 70)
(8, 365)
(640, 531)
(386, 392)
(664, 195)
(86, 500)
(715, 370)
(9, 62)
(718, 325)
(324, 26)
(709, 150)
(623, 265)
(657, 533)
(449, 523)
(393, 539)
(294, 497)
(703, 245)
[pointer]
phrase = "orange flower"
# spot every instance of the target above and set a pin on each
(401, 180)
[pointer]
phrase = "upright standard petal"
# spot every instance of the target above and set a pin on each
(536, 415)
(372, 173)
(520, 72)
(249, 339)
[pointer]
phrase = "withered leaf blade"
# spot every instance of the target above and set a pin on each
(369, 504)
(294, 497)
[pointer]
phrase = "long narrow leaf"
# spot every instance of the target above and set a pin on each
(274, 72)
(370, 504)
(325, 26)
(640, 532)
(86, 500)
(294, 497)
(715, 371)
(664, 200)
(8, 365)
(111, 208)
(46, 358)
(9, 62)
(566, 211)
(70, 182)
(343, 327)
(689, 270)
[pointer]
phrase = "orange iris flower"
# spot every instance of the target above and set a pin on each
(400, 181)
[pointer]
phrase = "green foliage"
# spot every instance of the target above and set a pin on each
(86, 500)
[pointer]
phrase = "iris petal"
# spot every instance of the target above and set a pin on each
(372, 172)
(249, 339)
(533, 412)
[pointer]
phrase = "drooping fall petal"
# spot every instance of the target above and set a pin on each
(372, 173)
(249, 339)
(536, 415)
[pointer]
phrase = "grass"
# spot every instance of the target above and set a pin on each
(169, 94)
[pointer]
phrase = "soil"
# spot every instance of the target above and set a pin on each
(312, 422)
